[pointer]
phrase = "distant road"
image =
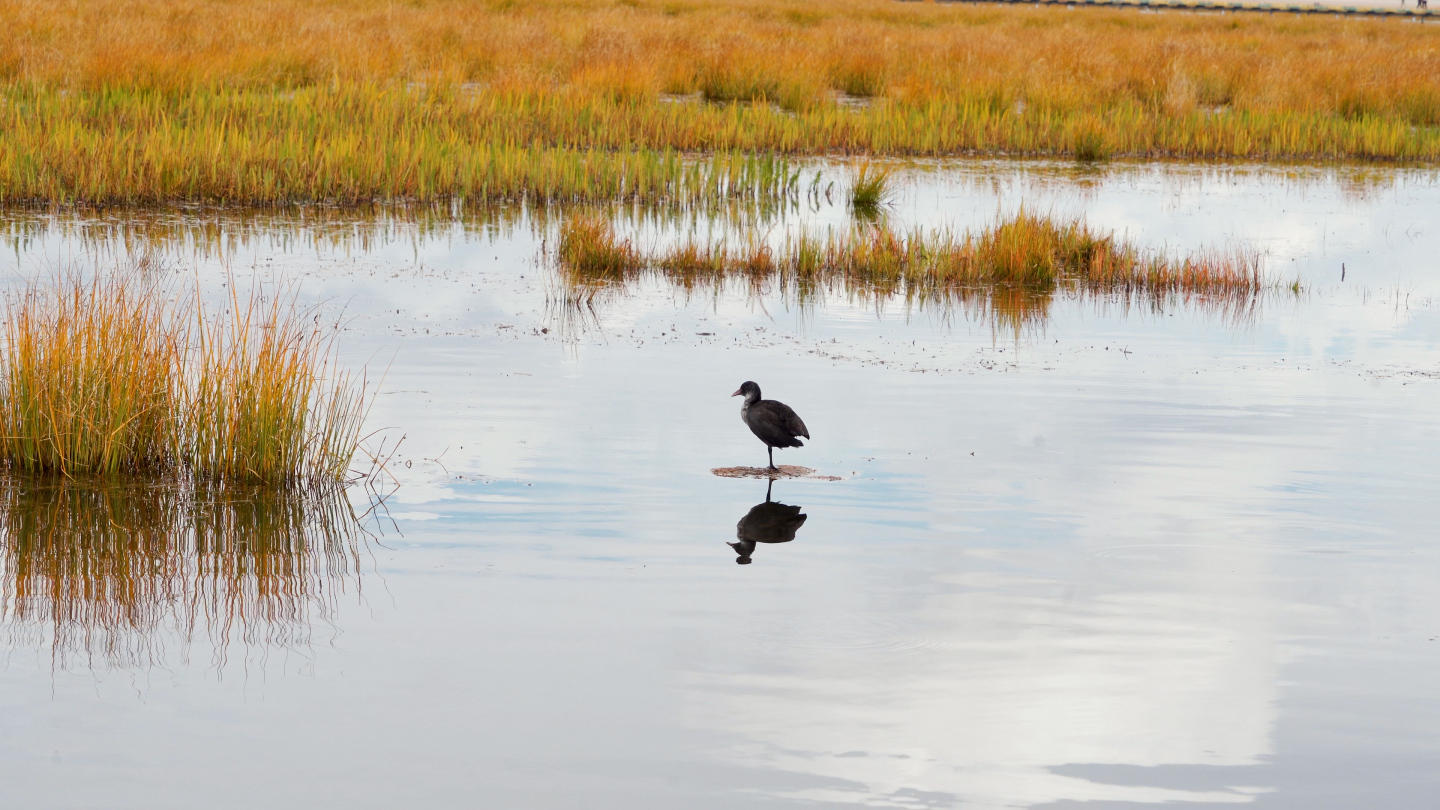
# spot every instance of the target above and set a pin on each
(1369, 8)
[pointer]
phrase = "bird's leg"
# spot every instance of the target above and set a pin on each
(768, 485)
(771, 450)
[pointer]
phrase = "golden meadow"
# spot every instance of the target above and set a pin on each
(247, 102)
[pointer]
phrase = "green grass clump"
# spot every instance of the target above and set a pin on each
(1090, 145)
(112, 376)
(590, 250)
(870, 191)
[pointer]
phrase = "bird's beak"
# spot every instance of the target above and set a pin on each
(736, 394)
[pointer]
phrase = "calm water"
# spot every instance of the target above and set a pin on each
(1135, 558)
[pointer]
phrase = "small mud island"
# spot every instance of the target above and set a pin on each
(779, 471)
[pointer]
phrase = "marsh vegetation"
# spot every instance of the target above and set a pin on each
(121, 102)
(114, 373)
(871, 189)
(1007, 272)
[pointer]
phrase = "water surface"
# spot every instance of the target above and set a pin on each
(1135, 557)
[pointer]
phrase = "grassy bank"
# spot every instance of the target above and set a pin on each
(1008, 272)
(116, 376)
(122, 101)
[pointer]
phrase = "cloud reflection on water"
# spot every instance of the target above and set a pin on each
(985, 695)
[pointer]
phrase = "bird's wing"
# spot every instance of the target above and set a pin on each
(792, 422)
(797, 427)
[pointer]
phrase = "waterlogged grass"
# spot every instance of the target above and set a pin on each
(589, 249)
(870, 191)
(249, 102)
(261, 399)
(1008, 272)
(113, 375)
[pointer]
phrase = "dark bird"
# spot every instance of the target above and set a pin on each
(768, 522)
(772, 422)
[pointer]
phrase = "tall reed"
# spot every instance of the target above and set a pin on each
(262, 399)
(115, 375)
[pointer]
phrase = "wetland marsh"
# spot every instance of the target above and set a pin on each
(1129, 554)
(119, 102)
(366, 437)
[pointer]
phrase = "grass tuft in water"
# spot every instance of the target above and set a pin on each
(111, 375)
(263, 401)
(590, 250)
(88, 377)
(871, 191)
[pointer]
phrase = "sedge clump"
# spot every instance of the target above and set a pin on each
(113, 376)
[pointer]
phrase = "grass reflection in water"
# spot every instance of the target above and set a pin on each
(107, 574)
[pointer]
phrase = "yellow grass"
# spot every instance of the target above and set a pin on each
(88, 373)
(113, 375)
(107, 572)
(263, 401)
(243, 101)
(589, 249)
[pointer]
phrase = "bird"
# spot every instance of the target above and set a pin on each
(773, 423)
(768, 522)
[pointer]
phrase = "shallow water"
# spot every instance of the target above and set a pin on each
(1135, 557)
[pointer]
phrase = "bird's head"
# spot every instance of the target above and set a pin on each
(749, 390)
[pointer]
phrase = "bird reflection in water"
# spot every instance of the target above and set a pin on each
(768, 522)
(113, 574)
